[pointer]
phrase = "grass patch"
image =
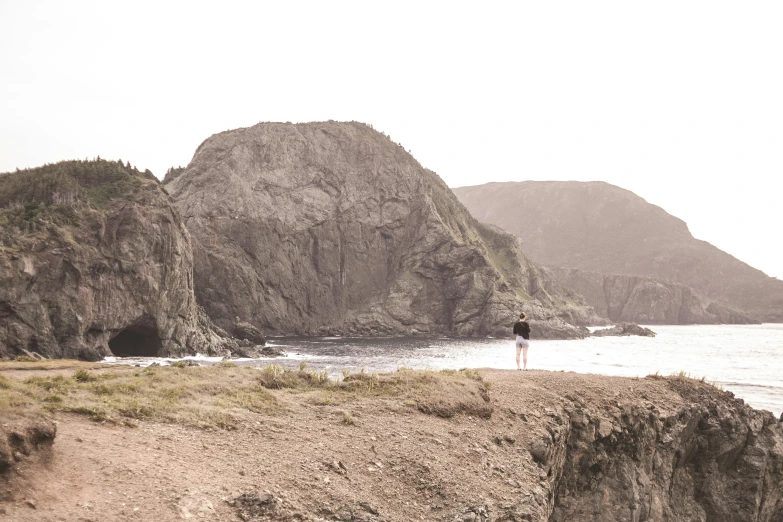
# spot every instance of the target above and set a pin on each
(445, 393)
(82, 375)
(49, 364)
(222, 396)
(684, 377)
(203, 397)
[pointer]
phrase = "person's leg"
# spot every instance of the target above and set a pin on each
(524, 356)
(519, 349)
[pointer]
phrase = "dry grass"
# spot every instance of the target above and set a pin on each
(683, 376)
(28, 363)
(445, 393)
(221, 396)
(194, 396)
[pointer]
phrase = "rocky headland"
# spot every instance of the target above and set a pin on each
(331, 228)
(437, 446)
(598, 227)
(95, 261)
(623, 298)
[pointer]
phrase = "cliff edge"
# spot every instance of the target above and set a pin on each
(492, 445)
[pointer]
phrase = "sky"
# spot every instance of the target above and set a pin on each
(680, 101)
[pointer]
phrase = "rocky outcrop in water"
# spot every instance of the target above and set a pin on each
(602, 228)
(331, 228)
(623, 330)
(95, 261)
(645, 300)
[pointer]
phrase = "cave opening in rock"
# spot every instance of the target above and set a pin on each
(136, 341)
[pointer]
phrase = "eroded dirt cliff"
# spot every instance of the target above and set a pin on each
(331, 228)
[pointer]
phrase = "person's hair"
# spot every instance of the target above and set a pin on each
(522, 316)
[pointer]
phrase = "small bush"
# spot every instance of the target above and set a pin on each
(25, 358)
(95, 413)
(179, 364)
(56, 384)
(83, 375)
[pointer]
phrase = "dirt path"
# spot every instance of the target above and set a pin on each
(368, 459)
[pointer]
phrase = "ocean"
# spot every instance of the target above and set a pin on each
(744, 359)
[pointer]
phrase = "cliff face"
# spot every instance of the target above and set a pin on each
(712, 458)
(602, 228)
(94, 260)
(645, 300)
(330, 228)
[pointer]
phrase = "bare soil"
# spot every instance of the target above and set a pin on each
(363, 459)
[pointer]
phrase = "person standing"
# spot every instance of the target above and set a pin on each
(522, 331)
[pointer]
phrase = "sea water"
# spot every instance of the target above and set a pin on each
(744, 359)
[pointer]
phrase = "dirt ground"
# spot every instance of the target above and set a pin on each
(362, 460)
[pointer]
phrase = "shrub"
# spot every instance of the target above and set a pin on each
(83, 375)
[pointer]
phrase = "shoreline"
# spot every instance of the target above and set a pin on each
(724, 355)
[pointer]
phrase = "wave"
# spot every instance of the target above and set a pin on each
(763, 385)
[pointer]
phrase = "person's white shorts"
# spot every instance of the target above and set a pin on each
(522, 342)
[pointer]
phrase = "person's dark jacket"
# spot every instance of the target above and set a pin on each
(522, 328)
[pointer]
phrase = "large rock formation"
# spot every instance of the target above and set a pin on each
(95, 260)
(602, 228)
(637, 299)
(331, 228)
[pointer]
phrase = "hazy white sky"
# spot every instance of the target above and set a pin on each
(678, 101)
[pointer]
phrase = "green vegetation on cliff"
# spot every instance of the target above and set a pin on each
(32, 200)
(53, 190)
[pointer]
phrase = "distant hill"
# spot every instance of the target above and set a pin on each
(599, 227)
